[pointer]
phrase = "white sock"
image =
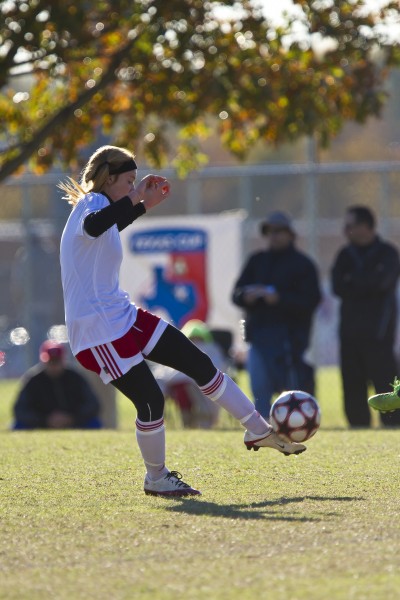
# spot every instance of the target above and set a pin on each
(151, 441)
(227, 394)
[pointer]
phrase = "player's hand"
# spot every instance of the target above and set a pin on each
(151, 190)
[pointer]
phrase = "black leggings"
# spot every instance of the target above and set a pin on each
(174, 350)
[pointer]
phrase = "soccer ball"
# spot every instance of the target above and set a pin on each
(295, 416)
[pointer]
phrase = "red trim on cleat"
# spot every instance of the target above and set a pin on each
(272, 440)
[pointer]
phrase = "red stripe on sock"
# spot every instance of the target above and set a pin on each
(211, 388)
(152, 426)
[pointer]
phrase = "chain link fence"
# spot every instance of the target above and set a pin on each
(32, 216)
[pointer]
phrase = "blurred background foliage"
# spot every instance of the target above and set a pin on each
(161, 77)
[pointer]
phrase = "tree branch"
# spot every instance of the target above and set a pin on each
(63, 115)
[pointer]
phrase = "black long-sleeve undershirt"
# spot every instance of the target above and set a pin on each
(121, 213)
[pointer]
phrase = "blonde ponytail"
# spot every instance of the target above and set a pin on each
(103, 162)
(73, 191)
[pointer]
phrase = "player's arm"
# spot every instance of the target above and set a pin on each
(121, 213)
(150, 191)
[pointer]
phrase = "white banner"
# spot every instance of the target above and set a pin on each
(185, 267)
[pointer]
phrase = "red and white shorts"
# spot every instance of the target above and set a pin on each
(114, 359)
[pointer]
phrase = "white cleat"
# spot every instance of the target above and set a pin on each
(169, 486)
(272, 440)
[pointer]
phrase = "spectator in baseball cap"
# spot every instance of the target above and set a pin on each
(51, 351)
(278, 290)
(277, 220)
(55, 396)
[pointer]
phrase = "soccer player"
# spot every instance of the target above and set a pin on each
(108, 334)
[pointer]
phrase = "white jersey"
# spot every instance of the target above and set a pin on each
(97, 310)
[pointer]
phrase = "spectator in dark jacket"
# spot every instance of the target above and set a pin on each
(364, 276)
(53, 396)
(279, 291)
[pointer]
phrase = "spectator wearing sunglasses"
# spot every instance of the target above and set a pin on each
(279, 291)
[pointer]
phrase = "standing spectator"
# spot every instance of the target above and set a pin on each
(279, 291)
(364, 276)
(53, 396)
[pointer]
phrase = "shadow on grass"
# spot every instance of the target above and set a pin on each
(267, 509)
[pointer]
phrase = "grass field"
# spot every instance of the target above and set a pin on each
(75, 523)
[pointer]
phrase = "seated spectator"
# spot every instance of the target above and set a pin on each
(53, 396)
(197, 410)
